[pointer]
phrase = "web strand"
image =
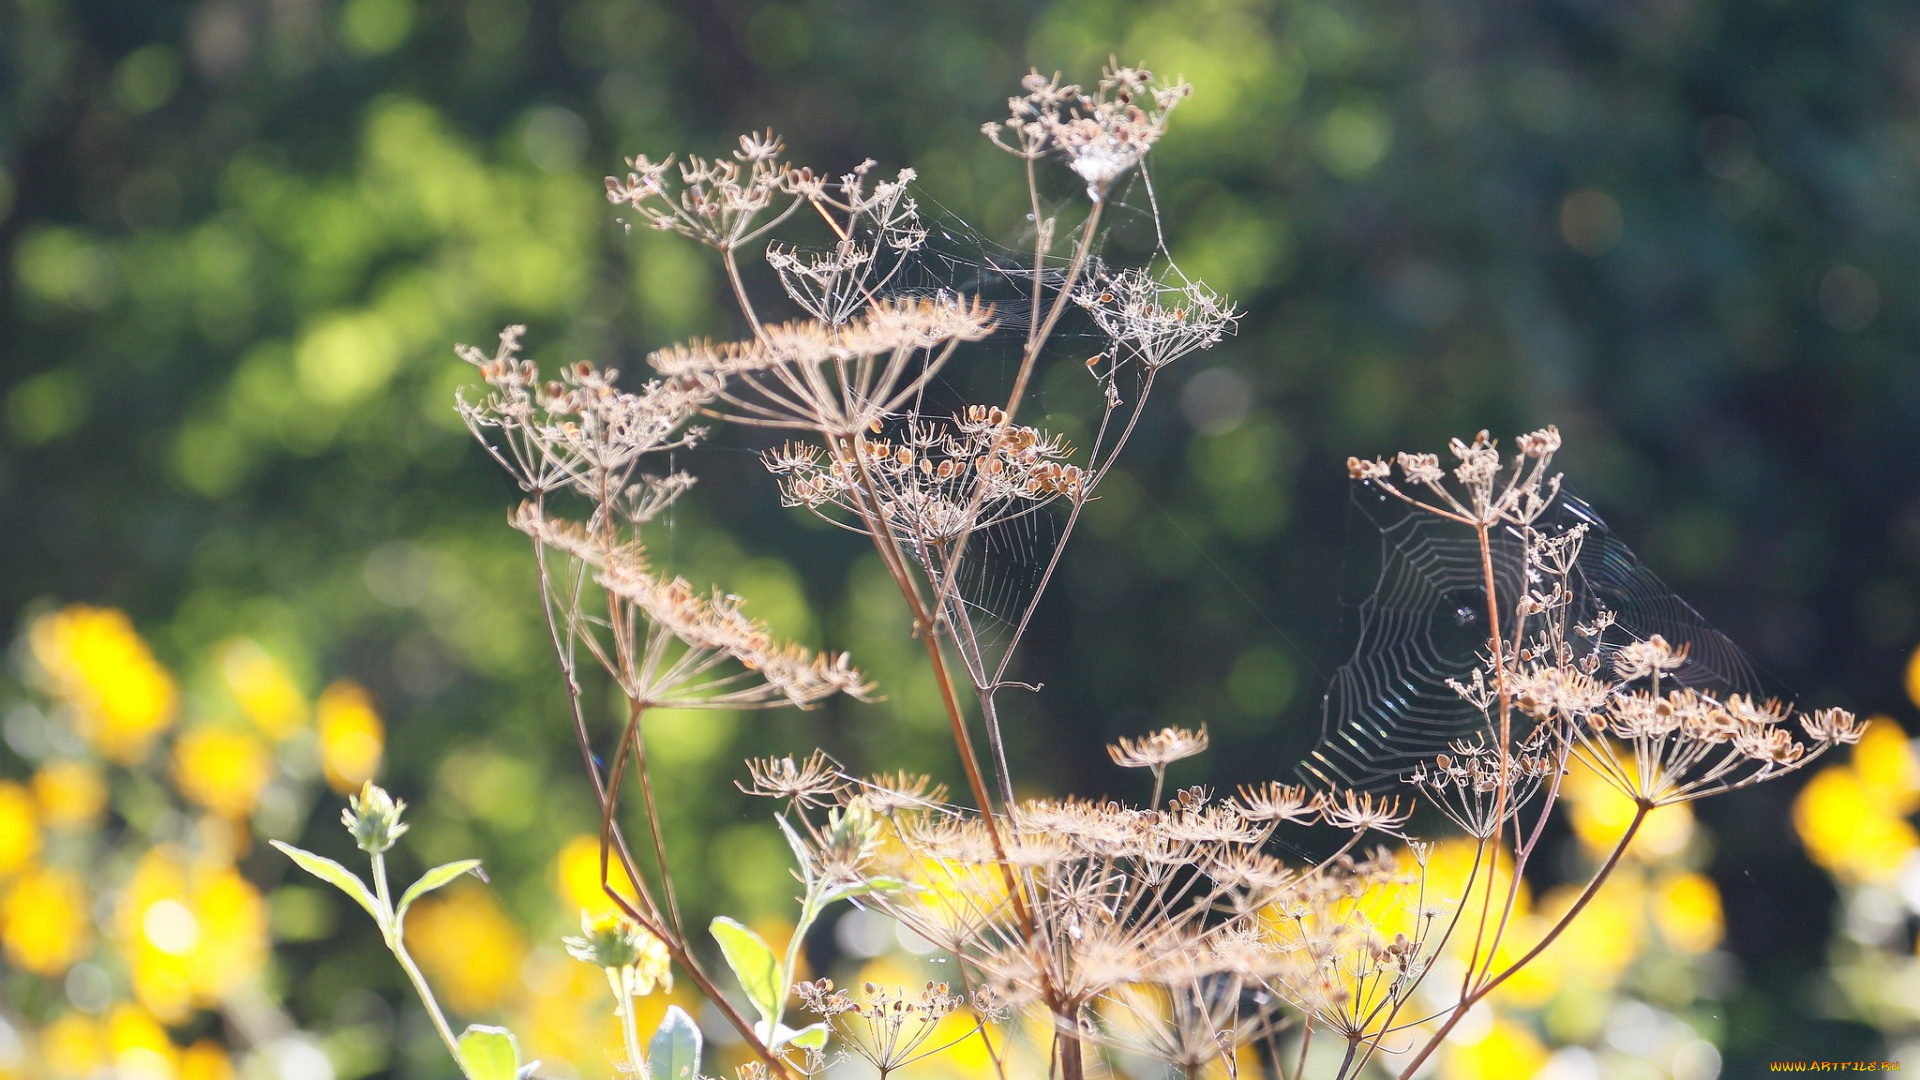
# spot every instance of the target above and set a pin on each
(1392, 705)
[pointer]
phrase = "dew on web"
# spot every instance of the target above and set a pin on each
(1391, 705)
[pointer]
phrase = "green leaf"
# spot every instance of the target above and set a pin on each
(489, 1053)
(753, 964)
(333, 874)
(811, 1037)
(432, 880)
(799, 850)
(862, 888)
(674, 1053)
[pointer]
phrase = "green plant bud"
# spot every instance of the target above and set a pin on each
(373, 817)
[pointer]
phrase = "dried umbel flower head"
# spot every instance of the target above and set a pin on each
(879, 232)
(1100, 135)
(1479, 495)
(1338, 963)
(1126, 908)
(579, 430)
(835, 380)
(1683, 745)
(813, 782)
(1467, 781)
(1155, 321)
(1158, 750)
(888, 1027)
(938, 481)
(718, 202)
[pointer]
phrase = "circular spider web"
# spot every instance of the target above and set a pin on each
(1391, 706)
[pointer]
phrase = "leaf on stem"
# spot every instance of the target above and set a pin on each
(753, 963)
(433, 879)
(333, 874)
(799, 850)
(862, 888)
(674, 1053)
(489, 1053)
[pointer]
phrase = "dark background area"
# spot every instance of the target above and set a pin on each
(241, 236)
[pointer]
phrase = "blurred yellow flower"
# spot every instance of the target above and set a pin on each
(577, 874)
(351, 736)
(222, 770)
(1608, 934)
(44, 922)
(1601, 813)
(1534, 985)
(1686, 908)
(95, 660)
(71, 793)
(1507, 1051)
(192, 933)
(567, 1016)
(1847, 829)
(1913, 678)
(19, 829)
(265, 692)
(139, 1045)
(74, 1045)
(470, 949)
(205, 1060)
(1887, 767)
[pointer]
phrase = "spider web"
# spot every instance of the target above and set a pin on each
(1390, 706)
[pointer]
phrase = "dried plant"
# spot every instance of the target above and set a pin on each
(1187, 930)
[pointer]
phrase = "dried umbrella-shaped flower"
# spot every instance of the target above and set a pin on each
(1157, 751)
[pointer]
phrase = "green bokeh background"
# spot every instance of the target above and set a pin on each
(240, 237)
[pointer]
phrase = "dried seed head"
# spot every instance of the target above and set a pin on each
(1158, 750)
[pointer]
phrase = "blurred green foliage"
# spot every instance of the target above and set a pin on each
(239, 238)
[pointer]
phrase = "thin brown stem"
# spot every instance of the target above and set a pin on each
(1060, 302)
(740, 292)
(1553, 933)
(653, 820)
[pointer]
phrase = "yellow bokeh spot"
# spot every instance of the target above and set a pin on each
(44, 923)
(1847, 829)
(19, 829)
(1608, 934)
(74, 1045)
(1507, 1051)
(1887, 767)
(139, 1045)
(1686, 908)
(351, 736)
(261, 686)
(569, 1014)
(193, 933)
(222, 770)
(1535, 984)
(1601, 813)
(95, 661)
(577, 874)
(205, 1060)
(469, 948)
(71, 794)
(1913, 678)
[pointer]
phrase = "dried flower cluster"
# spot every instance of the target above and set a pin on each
(1100, 135)
(1171, 932)
(1188, 930)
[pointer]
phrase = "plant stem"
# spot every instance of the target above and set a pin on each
(1469, 1000)
(396, 944)
(628, 1029)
